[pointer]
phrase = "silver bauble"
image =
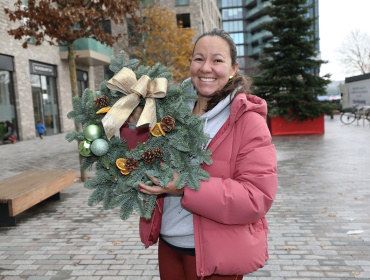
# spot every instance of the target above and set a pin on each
(99, 147)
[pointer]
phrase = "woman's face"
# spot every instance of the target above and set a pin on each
(211, 65)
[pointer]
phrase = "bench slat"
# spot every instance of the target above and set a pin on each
(20, 184)
(29, 188)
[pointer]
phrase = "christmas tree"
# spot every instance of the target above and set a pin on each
(288, 82)
(175, 143)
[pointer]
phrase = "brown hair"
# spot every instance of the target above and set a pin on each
(238, 81)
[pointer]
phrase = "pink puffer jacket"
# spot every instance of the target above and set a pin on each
(229, 209)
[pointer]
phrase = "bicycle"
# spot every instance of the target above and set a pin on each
(357, 112)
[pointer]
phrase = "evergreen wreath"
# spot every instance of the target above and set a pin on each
(118, 171)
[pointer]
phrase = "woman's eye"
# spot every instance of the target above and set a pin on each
(218, 60)
(197, 59)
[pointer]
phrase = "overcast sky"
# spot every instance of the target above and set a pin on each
(337, 18)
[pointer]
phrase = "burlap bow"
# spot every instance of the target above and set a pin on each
(125, 82)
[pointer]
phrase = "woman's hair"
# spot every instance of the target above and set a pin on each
(238, 82)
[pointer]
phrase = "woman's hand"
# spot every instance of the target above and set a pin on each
(157, 189)
(135, 115)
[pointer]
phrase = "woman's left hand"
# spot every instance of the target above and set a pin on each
(157, 189)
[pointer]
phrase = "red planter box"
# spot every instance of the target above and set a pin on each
(279, 126)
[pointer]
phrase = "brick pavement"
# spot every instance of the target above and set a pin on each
(319, 223)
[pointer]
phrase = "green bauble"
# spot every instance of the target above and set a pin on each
(84, 148)
(99, 147)
(92, 132)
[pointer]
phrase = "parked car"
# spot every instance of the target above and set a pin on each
(332, 94)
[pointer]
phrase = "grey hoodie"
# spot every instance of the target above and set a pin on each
(177, 222)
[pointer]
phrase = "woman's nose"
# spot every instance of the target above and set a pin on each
(206, 67)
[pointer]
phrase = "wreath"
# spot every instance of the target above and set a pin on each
(175, 142)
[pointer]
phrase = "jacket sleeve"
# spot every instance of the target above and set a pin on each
(248, 194)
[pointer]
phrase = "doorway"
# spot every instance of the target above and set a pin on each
(45, 106)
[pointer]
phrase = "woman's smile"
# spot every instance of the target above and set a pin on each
(207, 79)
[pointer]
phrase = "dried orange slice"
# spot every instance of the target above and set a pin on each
(103, 110)
(121, 163)
(125, 172)
(157, 130)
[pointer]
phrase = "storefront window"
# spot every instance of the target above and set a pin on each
(7, 97)
(45, 97)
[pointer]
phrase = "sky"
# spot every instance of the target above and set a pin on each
(337, 18)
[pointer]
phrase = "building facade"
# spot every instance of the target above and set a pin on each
(245, 21)
(201, 15)
(35, 82)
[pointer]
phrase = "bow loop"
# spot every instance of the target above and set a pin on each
(125, 82)
(122, 81)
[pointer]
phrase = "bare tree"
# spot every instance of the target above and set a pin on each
(355, 52)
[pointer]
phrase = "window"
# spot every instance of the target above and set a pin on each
(133, 37)
(238, 38)
(7, 96)
(234, 13)
(146, 3)
(241, 61)
(233, 26)
(82, 81)
(106, 24)
(184, 19)
(240, 50)
(182, 2)
(231, 3)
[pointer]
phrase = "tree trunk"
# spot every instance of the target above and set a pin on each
(73, 78)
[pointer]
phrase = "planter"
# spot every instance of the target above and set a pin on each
(279, 126)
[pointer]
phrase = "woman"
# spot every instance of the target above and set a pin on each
(219, 231)
(10, 133)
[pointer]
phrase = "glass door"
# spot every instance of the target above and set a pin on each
(45, 104)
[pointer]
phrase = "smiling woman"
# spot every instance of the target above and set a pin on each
(220, 230)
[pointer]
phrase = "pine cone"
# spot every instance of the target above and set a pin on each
(158, 152)
(167, 123)
(148, 157)
(102, 101)
(131, 164)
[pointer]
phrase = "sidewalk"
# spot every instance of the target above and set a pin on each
(319, 223)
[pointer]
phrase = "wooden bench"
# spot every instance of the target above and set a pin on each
(21, 192)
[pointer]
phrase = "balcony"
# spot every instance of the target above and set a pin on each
(89, 52)
(259, 23)
(250, 2)
(260, 36)
(257, 11)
